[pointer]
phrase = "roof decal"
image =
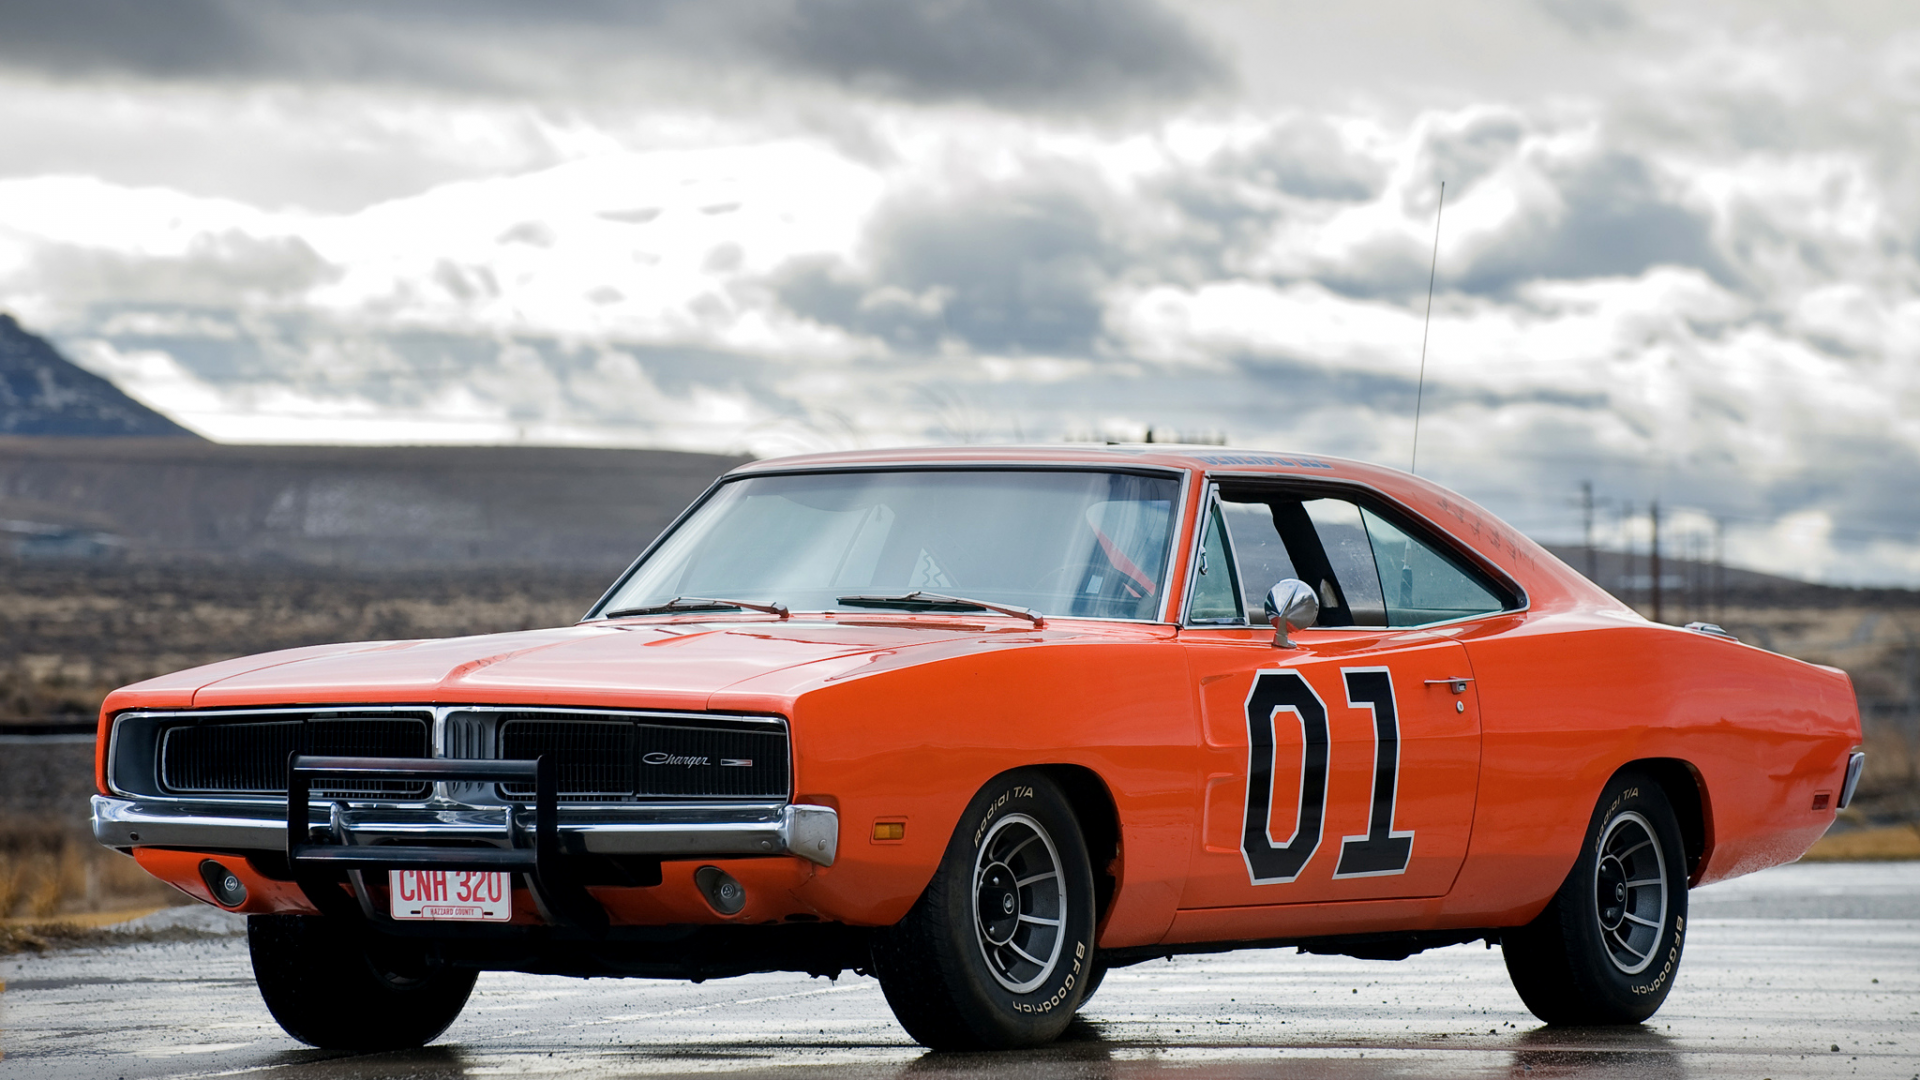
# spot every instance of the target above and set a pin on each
(1261, 459)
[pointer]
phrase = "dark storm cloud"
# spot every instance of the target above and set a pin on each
(1229, 206)
(1003, 51)
(1862, 481)
(1589, 18)
(1026, 267)
(1610, 217)
(212, 271)
(1463, 156)
(1005, 271)
(186, 38)
(1010, 53)
(1615, 223)
(1303, 157)
(408, 369)
(1306, 385)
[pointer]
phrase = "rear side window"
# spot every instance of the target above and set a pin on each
(1420, 584)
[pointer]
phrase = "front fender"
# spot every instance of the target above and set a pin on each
(913, 745)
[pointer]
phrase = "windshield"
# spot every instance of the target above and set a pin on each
(1063, 542)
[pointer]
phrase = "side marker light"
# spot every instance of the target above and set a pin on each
(889, 830)
(1821, 799)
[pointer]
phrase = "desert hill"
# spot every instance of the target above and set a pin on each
(44, 393)
(349, 507)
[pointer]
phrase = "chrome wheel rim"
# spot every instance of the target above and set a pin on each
(1019, 903)
(1630, 892)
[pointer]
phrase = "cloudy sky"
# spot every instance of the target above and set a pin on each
(1679, 258)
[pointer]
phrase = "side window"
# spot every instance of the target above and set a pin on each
(1215, 593)
(1420, 584)
(1343, 536)
(1366, 570)
(1322, 542)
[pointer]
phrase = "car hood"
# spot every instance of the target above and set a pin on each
(674, 663)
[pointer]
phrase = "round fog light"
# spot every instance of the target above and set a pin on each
(224, 884)
(725, 894)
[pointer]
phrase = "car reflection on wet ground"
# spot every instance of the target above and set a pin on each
(1806, 970)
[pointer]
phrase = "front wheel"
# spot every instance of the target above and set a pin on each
(1607, 947)
(1096, 974)
(333, 990)
(997, 952)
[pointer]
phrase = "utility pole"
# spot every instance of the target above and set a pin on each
(1653, 518)
(1690, 560)
(1910, 705)
(1586, 522)
(1626, 540)
(1697, 582)
(1719, 604)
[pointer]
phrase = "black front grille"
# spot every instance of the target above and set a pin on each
(595, 759)
(248, 756)
(613, 759)
(709, 761)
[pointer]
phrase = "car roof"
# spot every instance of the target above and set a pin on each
(1483, 534)
(1194, 458)
(1165, 455)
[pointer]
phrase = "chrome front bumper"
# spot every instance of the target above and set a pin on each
(688, 830)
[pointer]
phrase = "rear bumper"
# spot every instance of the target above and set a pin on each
(691, 830)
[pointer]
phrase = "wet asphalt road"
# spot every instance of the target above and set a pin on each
(1781, 969)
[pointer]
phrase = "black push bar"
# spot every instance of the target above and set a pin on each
(551, 880)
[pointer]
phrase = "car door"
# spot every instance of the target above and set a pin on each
(1346, 766)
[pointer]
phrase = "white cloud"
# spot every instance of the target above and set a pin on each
(1684, 267)
(1798, 545)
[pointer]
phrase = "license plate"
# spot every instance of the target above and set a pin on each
(458, 895)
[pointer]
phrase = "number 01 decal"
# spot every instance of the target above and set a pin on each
(1274, 692)
(1381, 850)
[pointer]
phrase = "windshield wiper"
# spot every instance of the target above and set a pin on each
(699, 603)
(920, 600)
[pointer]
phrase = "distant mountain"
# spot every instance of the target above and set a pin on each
(44, 393)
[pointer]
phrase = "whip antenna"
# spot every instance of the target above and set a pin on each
(1420, 392)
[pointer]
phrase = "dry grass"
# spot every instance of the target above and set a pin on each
(47, 873)
(1898, 842)
(71, 934)
(70, 632)
(13, 881)
(17, 939)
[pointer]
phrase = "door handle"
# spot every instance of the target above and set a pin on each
(1458, 683)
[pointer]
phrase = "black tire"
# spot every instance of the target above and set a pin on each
(1607, 948)
(1096, 974)
(329, 989)
(959, 970)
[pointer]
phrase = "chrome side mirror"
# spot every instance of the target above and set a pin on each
(1291, 605)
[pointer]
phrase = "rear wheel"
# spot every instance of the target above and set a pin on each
(997, 952)
(1607, 947)
(334, 990)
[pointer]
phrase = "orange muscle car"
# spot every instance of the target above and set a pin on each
(986, 723)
